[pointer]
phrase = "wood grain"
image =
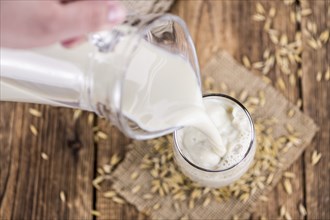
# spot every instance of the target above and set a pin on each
(279, 197)
(115, 144)
(219, 25)
(30, 185)
(316, 103)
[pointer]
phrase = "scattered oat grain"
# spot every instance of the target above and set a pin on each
(34, 130)
(287, 186)
(97, 181)
(263, 218)
(260, 8)
(284, 40)
(206, 201)
(270, 178)
(244, 197)
(258, 17)
(287, 216)
(109, 194)
(313, 43)
(266, 79)
(263, 198)
(316, 157)
(281, 83)
(114, 160)
(291, 113)
(246, 61)
(147, 196)
(156, 206)
(327, 74)
(118, 200)
(302, 209)
(209, 83)
(267, 24)
(224, 87)
(44, 156)
(90, 119)
(319, 76)
(299, 73)
(272, 12)
(292, 17)
(76, 114)
(95, 213)
(306, 12)
(191, 204)
(289, 128)
(136, 189)
(282, 211)
(292, 79)
(100, 171)
(62, 196)
(299, 103)
(289, 175)
(324, 36)
(35, 112)
(185, 217)
(258, 65)
(244, 94)
(102, 135)
(134, 175)
(288, 2)
(107, 168)
(274, 38)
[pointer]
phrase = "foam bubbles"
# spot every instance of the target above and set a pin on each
(234, 129)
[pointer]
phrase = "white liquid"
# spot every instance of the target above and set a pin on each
(234, 128)
(161, 91)
(236, 131)
(51, 75)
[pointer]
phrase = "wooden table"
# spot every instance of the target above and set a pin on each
(30, 186)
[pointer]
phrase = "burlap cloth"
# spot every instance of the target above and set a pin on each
(223, 69)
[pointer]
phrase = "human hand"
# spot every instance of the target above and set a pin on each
(34, 23)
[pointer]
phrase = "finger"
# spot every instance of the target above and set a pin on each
(82, 17)
(73, 42)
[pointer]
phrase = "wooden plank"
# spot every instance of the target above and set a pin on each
(30, 185)
(228, 25)
(316, 104)
(106, 148)
(278, 197)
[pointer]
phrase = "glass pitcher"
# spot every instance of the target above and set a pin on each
(76, 78)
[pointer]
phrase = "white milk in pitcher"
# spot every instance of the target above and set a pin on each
(161, 91)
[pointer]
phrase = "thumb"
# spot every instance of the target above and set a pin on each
(81, 17)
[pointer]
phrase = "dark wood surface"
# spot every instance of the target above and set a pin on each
(30, 186)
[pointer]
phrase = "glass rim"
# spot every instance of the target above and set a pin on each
(252, 140)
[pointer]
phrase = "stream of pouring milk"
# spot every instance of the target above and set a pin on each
(161, 91)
